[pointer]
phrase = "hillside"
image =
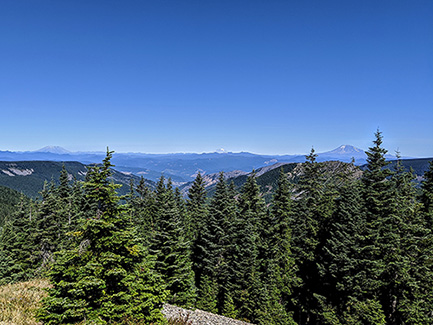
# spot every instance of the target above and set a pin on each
(28, 177)
(9, 198)
(419, 165)
(267, 177)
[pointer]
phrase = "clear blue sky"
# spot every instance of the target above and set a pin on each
(195, 76)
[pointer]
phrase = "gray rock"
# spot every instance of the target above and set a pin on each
(198, 317)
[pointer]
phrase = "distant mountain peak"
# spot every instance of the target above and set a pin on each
(221, 150)
(54, 149)
(346, 149)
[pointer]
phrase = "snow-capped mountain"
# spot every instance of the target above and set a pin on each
(344, 153)
(54, 149)
(345, 149)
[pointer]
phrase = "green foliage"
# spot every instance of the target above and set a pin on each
(196, 207)
(9, 200)
(320, 245)
(171, 249)
(211, 251)
(427, 195)
(143, 210)
(16, 247)
(108, 275)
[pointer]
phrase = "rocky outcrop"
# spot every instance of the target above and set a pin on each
(198, 317)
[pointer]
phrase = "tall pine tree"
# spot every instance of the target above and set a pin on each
(171, 248)
(108, 276)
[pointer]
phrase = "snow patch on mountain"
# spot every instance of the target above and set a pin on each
(7, 172)
(12, 171)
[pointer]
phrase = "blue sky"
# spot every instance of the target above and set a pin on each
(274, 77)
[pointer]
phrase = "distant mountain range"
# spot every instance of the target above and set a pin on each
(26, 172)
(182, 167)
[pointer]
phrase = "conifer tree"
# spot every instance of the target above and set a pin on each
(306, 222)
(181, 207)
(143, 210)
(171, 249)
(18, 255)
(313, 207)
(49, 232)
(408, 274)
(108, 276)
(427, 195)
(341, 271)
(380, 214)
(196, 207)
(211, 251)
(247, 247)
(64, 188)
(281, 268)
(396, 243)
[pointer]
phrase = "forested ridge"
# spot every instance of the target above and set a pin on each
(29, 177)
(334, 248)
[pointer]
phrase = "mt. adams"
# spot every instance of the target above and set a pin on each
(346, 153)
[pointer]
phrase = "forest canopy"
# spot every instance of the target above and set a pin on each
(349, 247)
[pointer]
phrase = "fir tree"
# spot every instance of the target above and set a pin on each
(108, 276)
(397, 244)
(19, 257)
(341, 271)
(171, 248)
(247, 253)
(196, 207)
(312, 210)
(427, 195)
(49, 232)
(408, 274)
(143, 210)
(380, 215)
(211, 250)
(281, 268)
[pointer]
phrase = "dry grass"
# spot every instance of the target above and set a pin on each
(19, 301)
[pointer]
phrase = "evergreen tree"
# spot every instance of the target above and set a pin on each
(64, 188)
(247, 251)
(281, 268)
(314, 206)
(49, 232)
(18, 255)
(408, 273)
(341, 271)
(143, 210)
(181, 207)
(171, 248)
(381, 210)
(397, 245)
(196, 207)
(211, 251)
(108, 276)
(427, 195)
(9, 201)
